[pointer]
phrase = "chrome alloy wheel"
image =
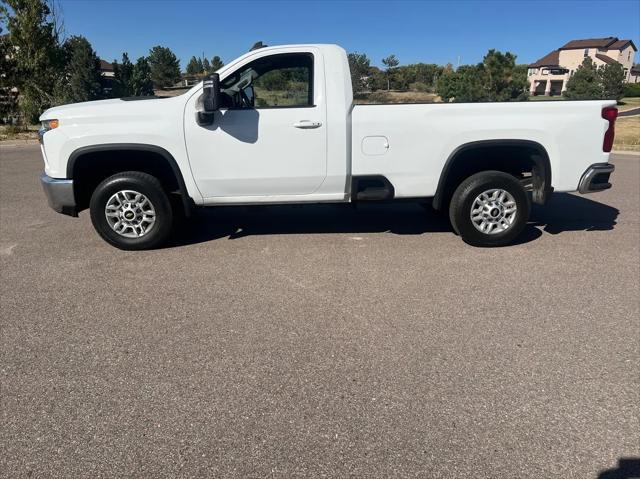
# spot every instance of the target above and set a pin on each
(130, 214)
(493, 211)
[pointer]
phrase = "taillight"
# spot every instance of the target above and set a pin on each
(610, 114)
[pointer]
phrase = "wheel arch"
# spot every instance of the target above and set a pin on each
(456, 167)
(144, 154)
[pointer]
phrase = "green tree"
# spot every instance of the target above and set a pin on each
(447, 86)
(165, 67)
(206, 67)
(216, 63)
(194, 66)
(141, 82)
(585, 82)
(34, 35)
(612, 80)
(123, 77)
(505, 80)
(390, 62)
(8, 107)
(359, 65)
(82, 79)
(497, 78)
(472, 85)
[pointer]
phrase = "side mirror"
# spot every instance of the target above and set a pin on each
(210, 99)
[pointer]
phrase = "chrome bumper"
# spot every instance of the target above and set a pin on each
(59, 195)
(596, 178)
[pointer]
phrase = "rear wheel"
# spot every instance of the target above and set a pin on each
(131, 211)
(490, 208)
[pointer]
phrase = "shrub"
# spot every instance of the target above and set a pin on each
(419, 86)
(632, 89)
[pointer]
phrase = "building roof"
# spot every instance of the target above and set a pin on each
(589, 43)
(611, 43)
(621, 45)
(608, 60)
(550, 60)
(106, 66)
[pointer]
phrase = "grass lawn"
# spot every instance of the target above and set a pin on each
(627, 133)
(13, 133)
(382, 96)
(629, 103)
(546, 98)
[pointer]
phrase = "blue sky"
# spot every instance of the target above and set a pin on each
(416, 31)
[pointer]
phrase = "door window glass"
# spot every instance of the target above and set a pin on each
(283, 80)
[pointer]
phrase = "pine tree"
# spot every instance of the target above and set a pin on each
(612, 81)
(141, 82)
(122, 73)
(216, 63)
(585, 82)
(82, 79)
(36, 70)
(359, 65)
(193, 67)
(126, 75)
(497, 78)
(206, 68)
(165, 67)
(505, 81)
(390, 62)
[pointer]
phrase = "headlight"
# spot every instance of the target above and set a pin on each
(50, 124)
(46, 126)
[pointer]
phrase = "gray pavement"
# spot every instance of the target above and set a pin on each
(320, 341)
(633, 112)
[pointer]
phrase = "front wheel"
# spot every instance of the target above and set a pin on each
(490, 208)
(131, 211)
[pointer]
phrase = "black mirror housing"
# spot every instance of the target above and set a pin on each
(210, 99)
(211, 93)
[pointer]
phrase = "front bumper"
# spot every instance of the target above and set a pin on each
(59, 195)
(596, 178)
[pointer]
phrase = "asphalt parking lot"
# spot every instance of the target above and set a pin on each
(320, 341)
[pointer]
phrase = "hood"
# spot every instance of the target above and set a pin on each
(131, 106)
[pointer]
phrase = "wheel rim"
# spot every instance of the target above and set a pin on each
(493, 211)
(130, 214)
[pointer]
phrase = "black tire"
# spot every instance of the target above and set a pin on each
(150, 187)
(464, 197)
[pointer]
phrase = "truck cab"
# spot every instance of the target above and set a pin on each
(278, 125)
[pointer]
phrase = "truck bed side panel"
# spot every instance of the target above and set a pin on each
(409, 144)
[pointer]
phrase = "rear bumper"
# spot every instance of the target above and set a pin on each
(59, 194)
(596, 178)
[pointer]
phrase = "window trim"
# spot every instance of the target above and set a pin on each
(310, 94)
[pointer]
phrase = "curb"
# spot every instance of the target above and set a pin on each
(625, 153)
(14, 143)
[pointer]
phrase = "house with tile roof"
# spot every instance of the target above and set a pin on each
(550, 74)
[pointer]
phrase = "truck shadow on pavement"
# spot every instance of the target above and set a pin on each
(564, 212)
(628, 468)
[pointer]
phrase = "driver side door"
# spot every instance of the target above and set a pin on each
(270, 139)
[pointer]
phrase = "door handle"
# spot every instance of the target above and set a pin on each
(307, 124)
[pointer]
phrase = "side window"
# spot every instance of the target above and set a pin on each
(282, 80)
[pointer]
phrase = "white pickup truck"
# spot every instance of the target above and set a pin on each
(278, 125)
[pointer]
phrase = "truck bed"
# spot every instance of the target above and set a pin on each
(410, 143)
